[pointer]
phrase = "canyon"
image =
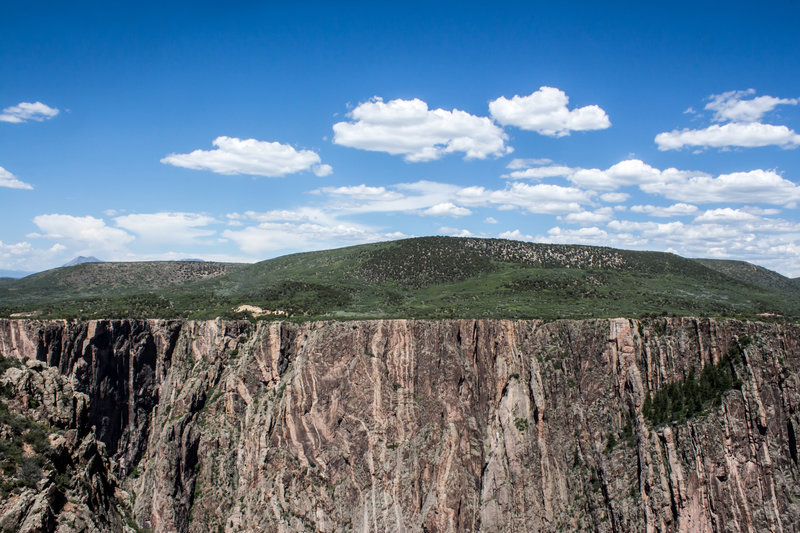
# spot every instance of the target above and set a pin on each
(405, 425)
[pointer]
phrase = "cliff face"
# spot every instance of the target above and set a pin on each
(433, 425)
(55, 476)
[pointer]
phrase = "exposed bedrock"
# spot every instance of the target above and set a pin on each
(457, 425)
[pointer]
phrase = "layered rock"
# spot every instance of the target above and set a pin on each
(461, 425)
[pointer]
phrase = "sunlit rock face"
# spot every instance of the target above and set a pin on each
(456, 425)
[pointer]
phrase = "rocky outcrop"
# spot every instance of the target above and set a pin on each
(56, 476)
(462, 425)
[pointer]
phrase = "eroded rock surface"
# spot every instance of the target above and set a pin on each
(56, 476)
(459, 425)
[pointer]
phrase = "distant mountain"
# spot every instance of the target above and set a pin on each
(14, 273)
(81, 260)
(103, 285)
(429, 277)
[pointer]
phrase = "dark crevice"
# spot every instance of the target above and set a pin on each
(792, 440)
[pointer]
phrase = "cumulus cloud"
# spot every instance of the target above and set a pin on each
(25, 257)
(360, 192)
(755, 186)
(410, 129)
(726, 215)
(166, 227)
(587, 218)
(516, 235)
(540, 198)
(733, 134)
(272, 236)
(545, 111)
(252, 157)
(732, 106)
(674, 210)
(87, 231)
(624, 173)
(25, 111)
(589, 235)
(490, 220)
(518, 163)
(456, 232)
(552, 171)
(446, 209)
(742, 125)
(7, 179)
(614, 197)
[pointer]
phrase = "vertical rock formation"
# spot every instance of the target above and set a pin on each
(461, 425)
(55, 476)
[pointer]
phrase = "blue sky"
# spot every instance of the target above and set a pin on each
(247, 130)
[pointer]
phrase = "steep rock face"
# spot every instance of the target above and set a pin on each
(433, 425)
(55, 476)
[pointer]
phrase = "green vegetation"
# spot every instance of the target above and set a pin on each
(19, 468)
(752, 274)
(8, 362)
(521, 424)
(680, 401)
(431, 277)
(611, 442)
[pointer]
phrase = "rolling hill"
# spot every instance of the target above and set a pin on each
(429, 277)
(752, 274)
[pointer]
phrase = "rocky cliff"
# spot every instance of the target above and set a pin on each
(56, 476)
(458, 425)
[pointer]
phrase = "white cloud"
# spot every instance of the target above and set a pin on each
(167, 228)
(252, 157)
(614, 197)
(456, 232)
(516, 235)
(628, 172)
(23, 256)
(25, 111)
(545, 111)
(755, 186)
(410, 129)
(518, 163)
(726, 215)
(446, 209)
(360, 192)
(742, 126)
(731, 106)
(490, 220)
(17, 249)
(322, 170)
(272, 236)
(541, 198)
(87, 231)
(754, 210)
(429, 197)
(7, 179)
(674, 210)
(747, 135)
(541, 172)
(590, 235)
(587, 218)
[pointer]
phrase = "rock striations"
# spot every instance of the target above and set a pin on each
(398, 425)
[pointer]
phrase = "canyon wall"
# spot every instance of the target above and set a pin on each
(456, 425)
